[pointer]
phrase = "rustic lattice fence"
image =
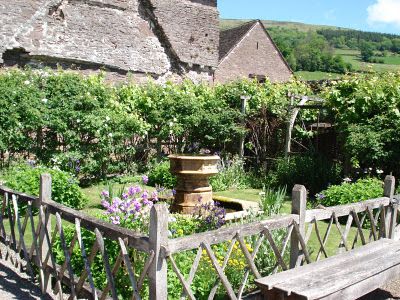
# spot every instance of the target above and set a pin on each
(37, 231)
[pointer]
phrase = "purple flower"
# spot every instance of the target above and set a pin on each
(145, 195)
(105, 194)
(105, 204)
(173, 192)
(320, 196)
(154, 196)
(124, 196)
(116, 220)
(145, 179)
(77, 169)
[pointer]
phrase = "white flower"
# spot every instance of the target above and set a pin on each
(347, 179)
(261, 193)
(171, 132)
(26, 82)
(107, 118)
(78, 121)
(110, 134)
(44, 100)
(171, 219)
(175, 120)
(171, 124)
(379, 171)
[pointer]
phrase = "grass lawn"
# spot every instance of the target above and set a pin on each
(392, 62)
(305, 75)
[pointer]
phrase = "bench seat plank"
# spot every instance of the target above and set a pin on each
(339, 273)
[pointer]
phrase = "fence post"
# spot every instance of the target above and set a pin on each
(45, 195)
(158, 236)
(391, 211)
(299, 206)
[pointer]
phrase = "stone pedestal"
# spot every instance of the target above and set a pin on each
(193, 187)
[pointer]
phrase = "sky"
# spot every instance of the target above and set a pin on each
(368, 15)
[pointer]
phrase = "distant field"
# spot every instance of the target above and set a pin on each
(392, 62)
(305, 75)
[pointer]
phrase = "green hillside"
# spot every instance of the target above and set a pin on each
(321, 51)
(229, 23)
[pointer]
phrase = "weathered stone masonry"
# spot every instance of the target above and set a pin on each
(161, 38)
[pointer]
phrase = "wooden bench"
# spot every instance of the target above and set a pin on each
(349, 275)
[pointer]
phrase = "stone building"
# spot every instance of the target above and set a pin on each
(158, 38)
(164, 39)
(248, 51)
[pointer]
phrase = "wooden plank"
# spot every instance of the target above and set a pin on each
(247, 273)
(158, 235)
(347, 257)
(277, 253)
(146, 269)
(339, 228)
(359, 227)
(322, 244)
(50, 253)
(344, 210)
(21, 196)
(128, 266)
(373, 224)
(302, 243)
(247, 255)
(224, 264)
(366, 286)
(285, 245)
(21, 237)
(299, 207)
(106, 261)
(193, 271)
(85, 261)
(35, 237)
(225, 234)
(220, 272)
(316, 285)
(67, 257)
(186, 287)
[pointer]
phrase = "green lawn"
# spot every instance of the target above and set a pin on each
(305, 75)
(392, 62)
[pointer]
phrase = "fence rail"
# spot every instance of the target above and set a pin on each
(264, 247)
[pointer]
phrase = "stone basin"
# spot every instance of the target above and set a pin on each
(193, 186)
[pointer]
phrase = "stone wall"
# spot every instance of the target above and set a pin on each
(256, 55)
(145, 37)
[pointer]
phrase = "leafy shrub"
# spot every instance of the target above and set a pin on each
(313, 171)
(272, 200)
(161, 175)
(361, 190)
(231, 176)
(366, 110)
(65, 189)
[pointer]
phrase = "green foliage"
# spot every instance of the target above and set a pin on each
(308, 51)
(65, 189)
(366, 110)
(272, 200)
(160, 175)
(367, 52)
(231, 176)
(345, 193)
(313, 171)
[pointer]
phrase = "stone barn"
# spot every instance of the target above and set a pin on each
(158, 38)
(248, 51)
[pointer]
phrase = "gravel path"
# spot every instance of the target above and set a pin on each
(17, 285)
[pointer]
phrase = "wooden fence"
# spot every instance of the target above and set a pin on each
(300, 237)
